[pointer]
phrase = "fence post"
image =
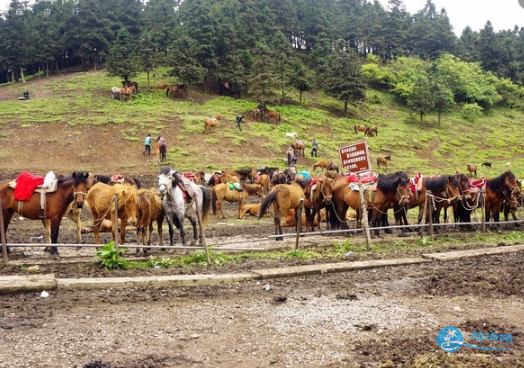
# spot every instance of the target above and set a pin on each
(483, 210)
(430, 213)
(115, 224)
(364, 213)
(299, 223)
(2, 233)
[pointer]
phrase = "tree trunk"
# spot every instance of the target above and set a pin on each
(345, 108)
(148, 84)
(22, 74)
(39, 70)
(47, 68)
(421, 115)
(13, 80)
(301, 97)
(439, 113)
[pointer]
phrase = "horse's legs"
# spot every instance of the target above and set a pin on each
(7, 214)
(159, 224)
(193, 222)
(55, 227)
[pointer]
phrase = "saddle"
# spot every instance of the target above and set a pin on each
(235, 186)
(117, 179)
(187, 189)
(364, 178)
(26, 184)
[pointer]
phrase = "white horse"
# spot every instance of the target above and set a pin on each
(192, 203)
(116, 92)
(291, 135)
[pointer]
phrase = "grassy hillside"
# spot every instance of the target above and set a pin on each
(71, 123)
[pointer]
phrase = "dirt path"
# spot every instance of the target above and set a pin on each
(355, 319)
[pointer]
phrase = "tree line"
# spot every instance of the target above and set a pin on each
(265, 47)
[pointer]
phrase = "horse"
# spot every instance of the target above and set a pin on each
(299, 148)
(279, 177)
(115, 179)
(361, 128)
(383, 161)
(371, 131)
(116, 92)
(256, 114)
(193, 202)
(272, 115)
(161, 86)
(130, 84)
(160, 153)
(283, 197)
(127, 91)
(69, 188)
(472, 170)
(251, 210)
(223, 192)
(200, 178)
(100, 201)
(493, 199)
(177, 90)
(220, 177)
(149, 209)
(211, 123)
(320, 197)
(442, 191)
(323, 164)
(392, 190)
(264, 182)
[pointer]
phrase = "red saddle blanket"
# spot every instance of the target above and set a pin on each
(478, 183)
(26, 184)
(364, 178)
(190, 176)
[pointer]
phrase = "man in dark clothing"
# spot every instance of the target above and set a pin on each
(238, 120)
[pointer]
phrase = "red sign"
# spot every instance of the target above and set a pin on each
(355, 157)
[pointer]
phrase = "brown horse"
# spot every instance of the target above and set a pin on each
(283, 197)
(263, 180)
(218, 178)
(361, 128)
(324, 164)
(177, 90)
(223, 192)
(127, 92)
(442, 191)
(256, 114)
(100, 202)
(161, 86)
(130, 84)
(320, 197)
(69, 188)
(272, 115)
(383, 161)
(200, 178)
(494, 199)
(211, 123)
(371, 131)
(149, 209)
(344, 196)
(299, 147)
(472, 169)
(251, 210)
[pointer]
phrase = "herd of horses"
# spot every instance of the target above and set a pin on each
(193, 196)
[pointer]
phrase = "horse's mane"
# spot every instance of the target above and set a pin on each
(389, 184)
(103, 179)
(498, 182)
(243, 171)
(439, 183)
(76, 177)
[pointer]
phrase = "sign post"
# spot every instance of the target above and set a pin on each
(355, 158)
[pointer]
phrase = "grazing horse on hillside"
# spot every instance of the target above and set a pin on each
(177, 90)
(325, 165)
(361, 128)
(69, 189)
(100, 202)
(283, 197)
(383, 161)
(494, 198)
(272, 115)
(211, 123)
(298, 148)
(472, 170)
(182, 200)
(371, 131)
(161, 86)
(130, 84)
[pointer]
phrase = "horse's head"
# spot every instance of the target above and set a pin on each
(453, 188)
(403, 190)
(463, 186)
(326, 189)
(165, 181)
(80, 184)
(129, 200)
(511, 182)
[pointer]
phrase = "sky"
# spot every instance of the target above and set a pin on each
(503, 14)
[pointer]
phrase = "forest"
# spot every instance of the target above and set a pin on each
(267, 47)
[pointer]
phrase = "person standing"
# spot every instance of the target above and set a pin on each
(238, 120)
(314, 148)
(161, 142)
(147, 145)
(289, 154)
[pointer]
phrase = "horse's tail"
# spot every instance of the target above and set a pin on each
(206, 204)
(214, 200)
(279, 117)
(266, 202)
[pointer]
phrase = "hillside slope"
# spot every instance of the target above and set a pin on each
(71, 123)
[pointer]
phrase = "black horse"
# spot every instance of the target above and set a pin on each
(228, 89)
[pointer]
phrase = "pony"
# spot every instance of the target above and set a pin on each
(127, 91)
(177, 90)
(264, 182)
(115, 179)
(361, 128)
(116, 92)
(371, 131)
(149, 209)
(184, 199)
(100, 201)
(472, 170)
(299, 148)
(241, 174)
(223, 192)
(251, 210)
(321, 195)
(279, 177)
(160, 154)
(383, 161)
(71, 188)
(392, 190)
(283, 197)
(220, 177)
(494, 199)
(161, 86)
(130, 84)
(323, 164)
(272, 115)
(211, 123)
(200, 178)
